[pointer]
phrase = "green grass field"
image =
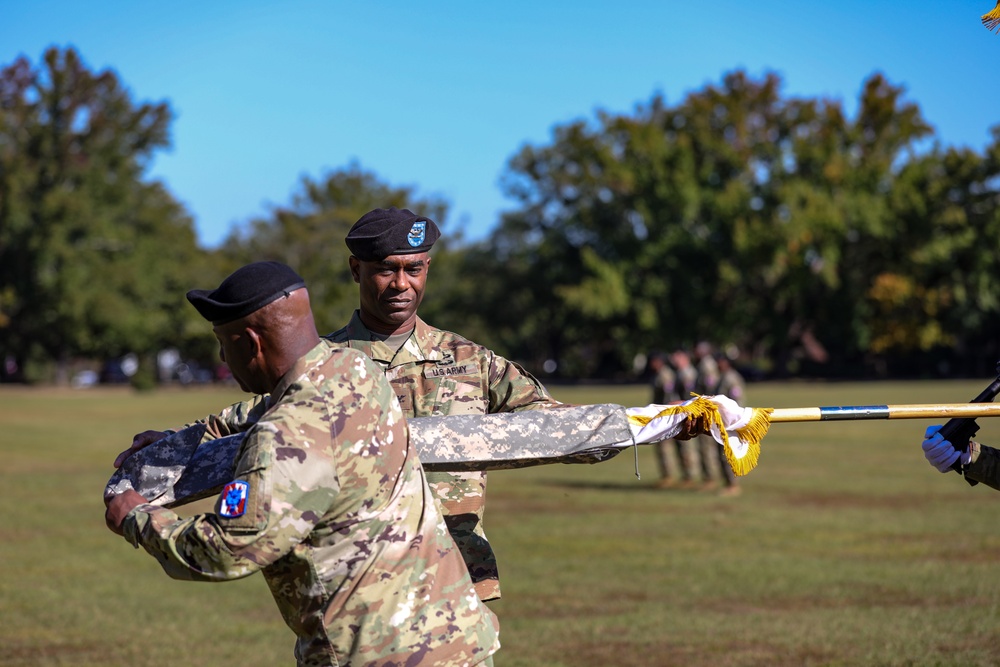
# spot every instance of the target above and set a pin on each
(845, 548)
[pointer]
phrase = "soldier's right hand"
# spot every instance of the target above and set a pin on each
(139, 441)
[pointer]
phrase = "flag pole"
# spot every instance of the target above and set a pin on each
(860, 412)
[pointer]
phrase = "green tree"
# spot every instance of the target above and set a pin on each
(309, 233)
(819, 223)
(94, 260)
(936, 296)
(735, 216)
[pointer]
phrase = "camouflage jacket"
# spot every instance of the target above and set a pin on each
(664, 385)
(330, 502)
(687, 382)
(984, 466)
(708, 376)
(731, 384)
(437, 373)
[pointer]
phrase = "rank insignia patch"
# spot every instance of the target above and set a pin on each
(234, 499)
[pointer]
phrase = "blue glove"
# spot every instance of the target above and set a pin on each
(939, 452)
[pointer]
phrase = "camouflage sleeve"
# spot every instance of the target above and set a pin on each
(511, 388)
(178, 470)
(260, 516)
(985, 465)
(570, 434)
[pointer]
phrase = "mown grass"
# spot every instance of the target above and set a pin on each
(845, 548)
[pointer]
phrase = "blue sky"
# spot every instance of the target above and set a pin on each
(439, 95)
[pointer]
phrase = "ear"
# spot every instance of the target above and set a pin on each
(355, 268)
(254, 343)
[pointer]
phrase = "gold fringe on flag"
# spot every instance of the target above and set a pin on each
(743, 455)
(992, 19)
(751, 434)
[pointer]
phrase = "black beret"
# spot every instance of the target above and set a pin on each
(247, 290)
(391, 231)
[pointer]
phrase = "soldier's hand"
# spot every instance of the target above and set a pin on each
(691, 427)
(118, 508)
(939, 452)
(140, 440)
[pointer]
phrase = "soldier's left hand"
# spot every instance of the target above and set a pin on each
(139, 440)
(118, 508)
(939, 452)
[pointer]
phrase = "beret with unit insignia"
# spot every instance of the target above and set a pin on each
(391, 231)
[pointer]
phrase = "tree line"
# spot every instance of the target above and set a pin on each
(810, 240)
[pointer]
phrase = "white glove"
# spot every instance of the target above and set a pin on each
(939, 452)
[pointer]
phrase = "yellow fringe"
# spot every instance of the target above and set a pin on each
(752, 433)
(992, 19)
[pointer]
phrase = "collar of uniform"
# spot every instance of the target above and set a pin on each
(359, 337)
(302, 365)
(419, 347)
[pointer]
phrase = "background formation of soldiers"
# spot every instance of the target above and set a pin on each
(698, 463)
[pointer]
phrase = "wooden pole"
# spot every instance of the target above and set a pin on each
(852, 412)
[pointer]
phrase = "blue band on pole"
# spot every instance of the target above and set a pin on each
(833, 413)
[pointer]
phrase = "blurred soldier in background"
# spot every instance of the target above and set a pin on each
(707, 373)
(732, 384)
(678, 459)
(664, 386)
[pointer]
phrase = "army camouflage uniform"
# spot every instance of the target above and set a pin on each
(437, 373)
(664, 384)
(984, 466)
(706, 448)
(434, 373)
(337, 515)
